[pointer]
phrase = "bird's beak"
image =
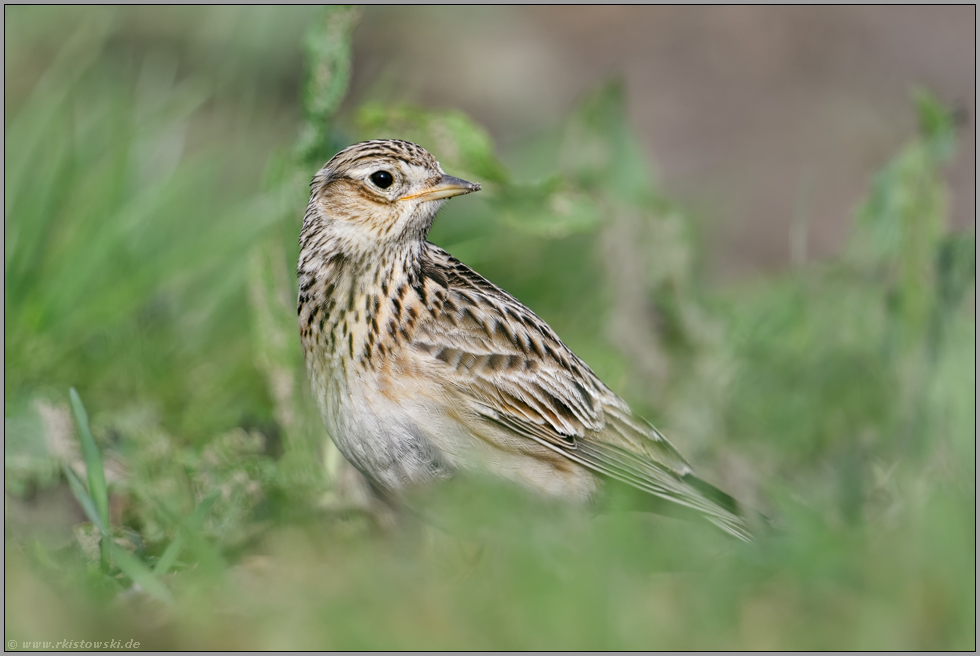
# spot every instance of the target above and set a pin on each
(447, 188)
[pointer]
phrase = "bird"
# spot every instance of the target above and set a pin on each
(421, 368)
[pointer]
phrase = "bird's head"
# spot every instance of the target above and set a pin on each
(380, 193)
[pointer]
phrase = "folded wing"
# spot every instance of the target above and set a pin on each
(517, 374)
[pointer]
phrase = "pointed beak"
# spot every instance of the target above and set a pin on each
(447, 187)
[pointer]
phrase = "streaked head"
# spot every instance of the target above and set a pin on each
(378, 192)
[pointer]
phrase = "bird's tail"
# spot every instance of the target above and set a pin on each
(700, 499)
(651, 464)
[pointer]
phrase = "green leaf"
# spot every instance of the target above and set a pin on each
(328, 55)
(140, 574)
(937, 125)
(193, 524)
(602, 151)
(97, 489)
(93, 460)
(900, 226)
(170, 555)
(78, 489)
(957, 268)
(128, 564)
(551, 209)
(88, 505)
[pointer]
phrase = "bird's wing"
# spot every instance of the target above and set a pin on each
(517, 374)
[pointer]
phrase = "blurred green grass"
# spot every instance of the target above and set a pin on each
(156, 164)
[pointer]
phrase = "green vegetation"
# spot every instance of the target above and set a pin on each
(152, 206)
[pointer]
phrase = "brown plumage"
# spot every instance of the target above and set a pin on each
(422, 367)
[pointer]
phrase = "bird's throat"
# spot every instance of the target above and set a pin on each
(350, 307)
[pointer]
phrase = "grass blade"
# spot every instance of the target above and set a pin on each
(193, 523)
(140, 574)
(128, 564)
(84, 499)
(169, 556)
(95, 470)
(93, 459)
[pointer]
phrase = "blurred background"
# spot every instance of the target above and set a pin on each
(749, 112)
(757, 225)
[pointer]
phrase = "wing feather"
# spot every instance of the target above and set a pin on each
(519, 376)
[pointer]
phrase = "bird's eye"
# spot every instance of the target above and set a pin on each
(382, 179)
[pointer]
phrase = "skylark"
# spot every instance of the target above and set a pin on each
(421, 367)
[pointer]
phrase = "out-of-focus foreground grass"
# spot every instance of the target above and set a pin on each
(155, 178)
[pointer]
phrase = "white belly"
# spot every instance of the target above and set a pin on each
(377, 436)
(405, 444)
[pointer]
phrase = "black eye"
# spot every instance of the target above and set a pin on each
(382, 179)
